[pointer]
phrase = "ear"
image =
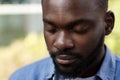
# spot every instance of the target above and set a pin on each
(109, 22)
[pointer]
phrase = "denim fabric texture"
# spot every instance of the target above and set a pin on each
(44, 69)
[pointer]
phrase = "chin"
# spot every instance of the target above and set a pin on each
(70, 70)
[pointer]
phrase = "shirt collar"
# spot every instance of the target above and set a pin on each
(50, 73)
(107, 69)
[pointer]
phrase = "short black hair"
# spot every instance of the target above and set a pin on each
(103, 4)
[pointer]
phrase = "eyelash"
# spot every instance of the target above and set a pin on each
(82, 30)
(52, 31)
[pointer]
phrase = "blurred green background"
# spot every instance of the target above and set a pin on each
(22, 41)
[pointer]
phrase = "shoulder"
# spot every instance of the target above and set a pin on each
(117, 61)
(37, 69)
(117, 70)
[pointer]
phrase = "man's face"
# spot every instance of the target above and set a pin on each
(74, 33)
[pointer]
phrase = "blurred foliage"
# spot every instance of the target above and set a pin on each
(20, 50)
(8, 34)
(113, 40)
(11, 1)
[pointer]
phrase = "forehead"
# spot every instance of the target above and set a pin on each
(67, 9)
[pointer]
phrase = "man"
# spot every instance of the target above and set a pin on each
(74, 32)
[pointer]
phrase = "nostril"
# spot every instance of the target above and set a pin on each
(63, 45)
(63, 41)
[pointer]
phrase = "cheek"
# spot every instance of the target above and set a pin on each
(49, 39)
(86, 44)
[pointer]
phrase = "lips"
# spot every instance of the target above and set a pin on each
(65, 59)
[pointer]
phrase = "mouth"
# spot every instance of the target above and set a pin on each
(65, 59)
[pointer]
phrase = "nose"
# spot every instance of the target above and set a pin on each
(63, 41)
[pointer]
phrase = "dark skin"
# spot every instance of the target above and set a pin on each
(74, 33)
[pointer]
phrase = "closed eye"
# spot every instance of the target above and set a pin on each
(81, 28)
(49, 26)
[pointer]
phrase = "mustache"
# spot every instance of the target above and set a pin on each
(58, 53)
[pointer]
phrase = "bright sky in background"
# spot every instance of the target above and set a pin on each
(8, 9)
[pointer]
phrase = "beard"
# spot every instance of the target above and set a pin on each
(75, 69)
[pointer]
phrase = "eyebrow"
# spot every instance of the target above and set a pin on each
(76, 22)
(49, 22)
(69, 24)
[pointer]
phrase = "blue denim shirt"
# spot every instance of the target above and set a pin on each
(44, 69)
